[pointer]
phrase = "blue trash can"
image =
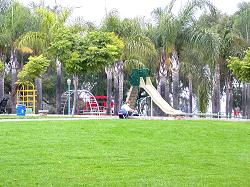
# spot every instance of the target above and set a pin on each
(20, 110)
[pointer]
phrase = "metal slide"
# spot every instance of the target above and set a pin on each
(156, 97)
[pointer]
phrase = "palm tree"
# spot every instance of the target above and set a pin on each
(137, 49)
(191, 67)
(39, 42)
(109, 71)
(4, 6)
(15, 21)
(169, 34)
(229, 44)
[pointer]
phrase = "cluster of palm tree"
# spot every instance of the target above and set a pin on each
(187, 51)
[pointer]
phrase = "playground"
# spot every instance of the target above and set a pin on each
(143, 96)
(124, 152)
(157, 99)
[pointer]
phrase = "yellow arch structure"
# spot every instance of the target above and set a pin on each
(26, 95)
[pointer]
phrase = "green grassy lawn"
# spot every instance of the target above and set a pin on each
(125, 153)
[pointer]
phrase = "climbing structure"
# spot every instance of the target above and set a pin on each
(133, 92)
(26, 95)
(87, 103)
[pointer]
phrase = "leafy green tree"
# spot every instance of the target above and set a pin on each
(241, 69)
(90, 51)
(35, 67)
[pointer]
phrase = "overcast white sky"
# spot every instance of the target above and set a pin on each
(94, 10)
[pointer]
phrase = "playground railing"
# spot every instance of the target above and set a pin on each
(211, 115)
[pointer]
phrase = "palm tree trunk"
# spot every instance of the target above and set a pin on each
(121, 80)
(190, 88)
(58, 86)
(109, 71)
(163, 83)
(216, 90)
(39, 91)
(14, 67)
(175, 77)
(2, 76)
(248, 102)
(75, 83)
(163, 88)
(229, 95)
(1, 86)
(116, 88)
(244, 96)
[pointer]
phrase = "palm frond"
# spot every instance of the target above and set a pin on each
(186, 14)
(170, 6)
(206, 40)
(4, 38)
(133, 64)
(139, 45)
(33, 40)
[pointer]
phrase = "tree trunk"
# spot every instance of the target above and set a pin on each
(190, 88)
(163, 82)
(244, 96)
(248, 102)
(1, 86)
(58, 86)
(229, 95)
(116, 89)
(2, 76)
(121, 80)
(39, 91)
(216, 90)
(175, 77)
(14, 66)
(75, 83)
(109, 71)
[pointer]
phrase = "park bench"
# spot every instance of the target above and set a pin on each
(43, 112)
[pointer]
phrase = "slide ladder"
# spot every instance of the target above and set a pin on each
(132, 95)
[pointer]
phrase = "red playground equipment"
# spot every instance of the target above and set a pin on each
(87, 103)
(102, 102)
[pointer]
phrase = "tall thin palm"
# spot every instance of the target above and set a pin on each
(39, 42)
(16, 20)
(138, 48)
(170, 34)
(4, 6)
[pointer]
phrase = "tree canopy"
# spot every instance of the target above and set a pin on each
(241, 68)
(91, 51)
(35, 67)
